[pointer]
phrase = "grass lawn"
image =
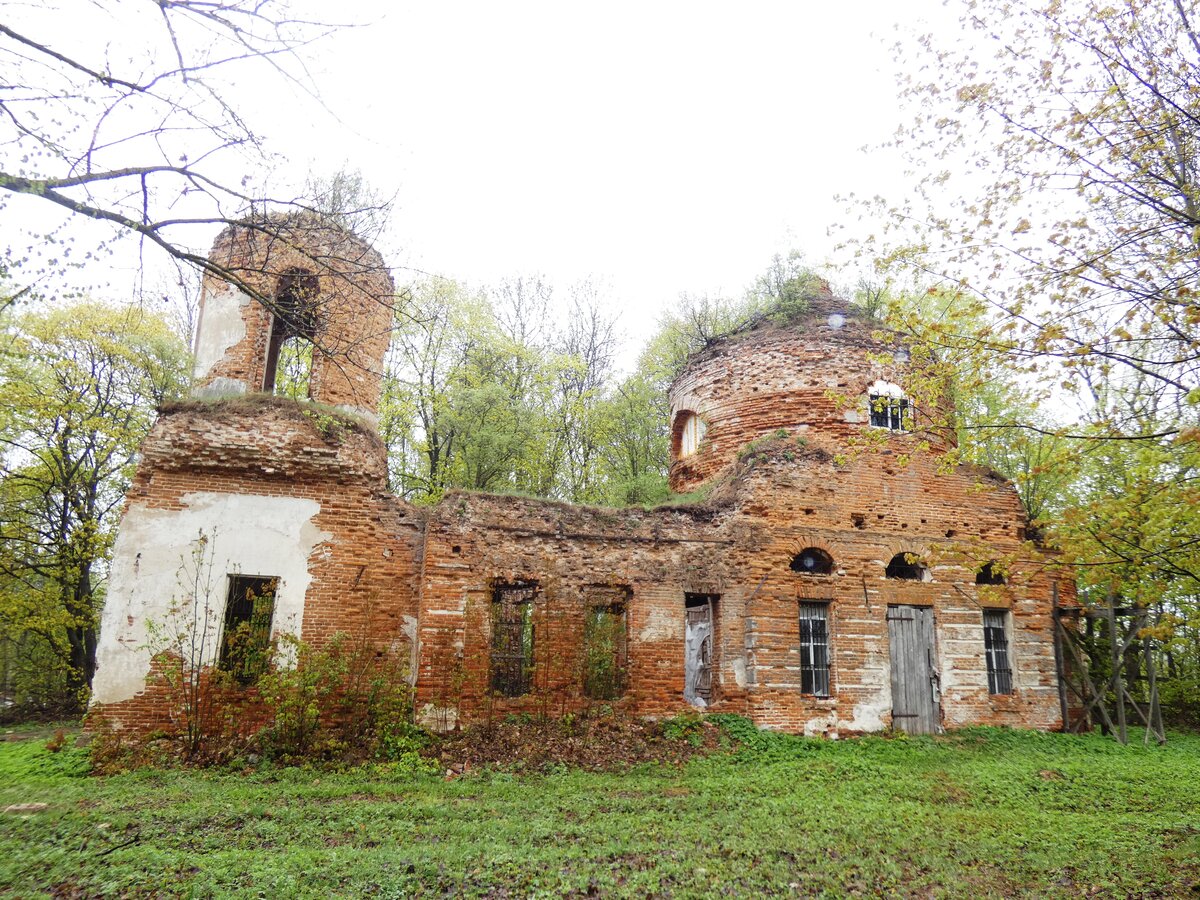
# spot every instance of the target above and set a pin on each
(979, 813)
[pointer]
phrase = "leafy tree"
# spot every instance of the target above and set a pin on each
(484, 391)
(429, 352)
(1078, 221)
(1061, 164)
(148, 141)
(78, 388)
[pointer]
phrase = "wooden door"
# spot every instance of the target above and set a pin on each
(697, 659)
(915, 688)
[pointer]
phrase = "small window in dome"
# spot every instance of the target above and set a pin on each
(906, 567)
(989, 574)
(812, 561)
(889, 407)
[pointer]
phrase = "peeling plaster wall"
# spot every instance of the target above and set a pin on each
(221, 327)
(153, 571)
(287, 498)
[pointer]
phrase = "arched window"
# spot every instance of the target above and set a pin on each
(690, 429)
(889, 406)
(812, 561)
(990, 574)
(906, 567)
(293, 322)
(293, 370)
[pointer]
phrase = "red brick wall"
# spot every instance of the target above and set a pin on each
(353, 305)
(740, 547)
(387, 565)
(809, 378)
(363, 577)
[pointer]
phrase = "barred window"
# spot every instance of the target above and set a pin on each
(890, 412)
(995, 644)
(512, 638)
(246, 636)
(814, 649)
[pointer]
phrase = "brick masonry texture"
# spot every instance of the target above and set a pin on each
(353, 305)
(421, 581)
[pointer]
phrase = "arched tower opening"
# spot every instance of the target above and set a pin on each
(305, 313)
(294, 325)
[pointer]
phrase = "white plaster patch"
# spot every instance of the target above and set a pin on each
(869, 714)
(221, 327)
(739, 671)
(155, 594)
(364, 415)
(221, 387)
(661, 625)
(410, 630)
(820, 726)
(438, 718)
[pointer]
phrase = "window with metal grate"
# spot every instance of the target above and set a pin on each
(246, 635)
(995, 644)
(814, 649)
(512, 638)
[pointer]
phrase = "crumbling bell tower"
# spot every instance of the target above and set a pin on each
(260, 504)
(326, 291)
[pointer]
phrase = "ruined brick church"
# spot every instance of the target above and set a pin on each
(818, 588)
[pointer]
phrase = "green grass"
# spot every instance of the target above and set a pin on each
(979, 813)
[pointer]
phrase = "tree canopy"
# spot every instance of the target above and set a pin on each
(79, 385)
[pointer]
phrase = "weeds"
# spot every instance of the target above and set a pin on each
(982, 812)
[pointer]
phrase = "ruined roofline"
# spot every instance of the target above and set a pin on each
(700, 511)
(817, 313)
(236, 407)
(301, 231)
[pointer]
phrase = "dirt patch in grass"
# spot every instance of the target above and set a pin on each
(594, 743)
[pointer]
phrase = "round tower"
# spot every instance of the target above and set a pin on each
(827, 376)
(305, 311)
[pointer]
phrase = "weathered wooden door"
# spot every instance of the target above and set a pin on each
(915, 687)
(697, 659)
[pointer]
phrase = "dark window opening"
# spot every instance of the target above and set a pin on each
(989, 574)
(605, 652)
(812, 560)
(293, 331)
(995, 644)
(512, 638)
(699, 659)
(907, 567)
(890, 412)
(814, 649)
(246, 637)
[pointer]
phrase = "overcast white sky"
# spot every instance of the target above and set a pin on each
(654, 148)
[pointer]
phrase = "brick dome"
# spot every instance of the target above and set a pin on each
(811, 376)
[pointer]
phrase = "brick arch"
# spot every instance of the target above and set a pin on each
(921, 551)
(804, 542)
(679, 419)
